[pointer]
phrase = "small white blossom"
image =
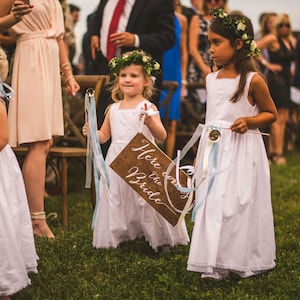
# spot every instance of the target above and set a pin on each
(145, 58)
(241, 26)
(253, 46)
(222, 15)
(156, 66)
(244, 37)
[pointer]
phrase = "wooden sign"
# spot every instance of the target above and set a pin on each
(143, 166)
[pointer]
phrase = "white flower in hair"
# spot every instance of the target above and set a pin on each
(241, 26)
(145, 58)
(223, 15)
(253, 45)
(244, 37)
(156, 66)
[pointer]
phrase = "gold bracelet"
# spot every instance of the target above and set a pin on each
(65, 65)
(68, 79)
(66, 69)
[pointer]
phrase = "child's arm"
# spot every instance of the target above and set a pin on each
(259, 94)
(104, 133)
(3, 126)
(155, 125)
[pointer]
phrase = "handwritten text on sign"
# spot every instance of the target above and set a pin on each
(143, 166)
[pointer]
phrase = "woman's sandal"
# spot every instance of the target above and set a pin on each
(40, 226)
(278, 159)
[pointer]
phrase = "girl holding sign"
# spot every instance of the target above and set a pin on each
(125, 215)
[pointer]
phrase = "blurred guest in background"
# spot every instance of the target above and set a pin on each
(199, 65)
(266, 27)
(280, 44)
(175, 72)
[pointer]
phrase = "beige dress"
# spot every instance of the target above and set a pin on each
(36, 114)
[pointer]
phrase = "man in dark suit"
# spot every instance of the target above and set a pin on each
(145, 24)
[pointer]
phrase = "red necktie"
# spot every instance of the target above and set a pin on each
(113, 28)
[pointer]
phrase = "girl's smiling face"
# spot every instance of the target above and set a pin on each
(132, 80)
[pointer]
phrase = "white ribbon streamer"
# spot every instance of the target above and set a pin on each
(94, 154)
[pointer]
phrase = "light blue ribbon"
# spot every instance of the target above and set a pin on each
(197, 133)
(213, 160)
(94, 153)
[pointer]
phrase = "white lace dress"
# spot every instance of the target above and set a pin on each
(234, 229)
(17, 249)
(129, 216)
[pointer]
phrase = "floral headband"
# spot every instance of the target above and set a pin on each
(238, 26)
(137, 57)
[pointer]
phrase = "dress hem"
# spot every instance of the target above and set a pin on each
(239, 270)
(16, 289)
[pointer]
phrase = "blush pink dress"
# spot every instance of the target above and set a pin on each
(37, 113)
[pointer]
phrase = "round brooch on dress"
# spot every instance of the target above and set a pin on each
(214, 135)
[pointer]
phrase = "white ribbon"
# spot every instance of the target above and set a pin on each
(10, 94)
(144, 113)
(94, 154)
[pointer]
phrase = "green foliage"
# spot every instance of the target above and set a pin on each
(70, 268)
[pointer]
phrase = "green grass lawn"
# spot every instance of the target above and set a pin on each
(70, 268)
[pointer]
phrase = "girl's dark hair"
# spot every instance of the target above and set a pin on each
(243, 63)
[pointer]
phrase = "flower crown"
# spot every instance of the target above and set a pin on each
(238, 26)
(137, 57)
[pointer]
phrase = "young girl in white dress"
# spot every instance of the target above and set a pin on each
(233, 230)
(129, 216)
(17, 250)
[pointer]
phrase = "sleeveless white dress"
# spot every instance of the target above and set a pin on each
(17, 249)
(129, 216)
(234, 229)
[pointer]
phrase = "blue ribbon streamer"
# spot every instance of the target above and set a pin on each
(94, 152)
(212, 172)
(213, 158)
